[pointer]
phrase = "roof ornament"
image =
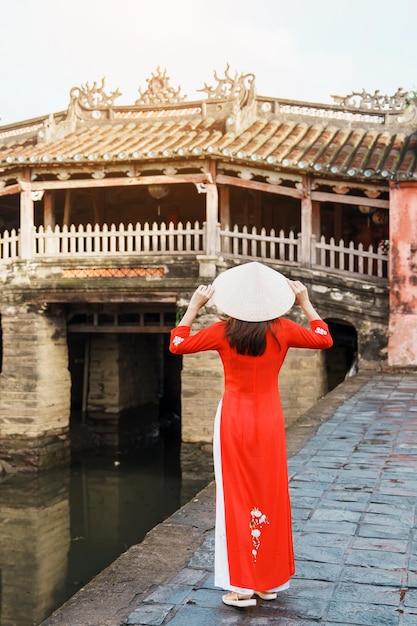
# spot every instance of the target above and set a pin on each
(87, 103)
(241, 88)
(93, 99)
(159, 90)
(376, 101)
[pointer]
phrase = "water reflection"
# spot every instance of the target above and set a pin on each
(58, 530)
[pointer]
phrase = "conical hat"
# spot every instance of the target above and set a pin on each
(252, 292)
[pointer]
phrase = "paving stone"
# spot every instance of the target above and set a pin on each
(189, 576)
(412, 580)
(208, 582)
(376, 558)
(300, 514)
(349, 505)
(318, 553)
(367, 594)
(372, 575)
(309, 589)
(361, 614)
(282, 621)
(206, 598)
(386, 545)
(335, 515)
(340, 494)
(395, 500)
(410, 598)
(149, 614)
(311, 608)
(301, 502)
(406, 514)
(377, 530)
(198, 616)
(409, 619)
(397, 521)
(317, 571)
(323, 539)
(345, 528)
(169, 594)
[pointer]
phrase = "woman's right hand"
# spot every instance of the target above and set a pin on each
(300, 292)
(201, 296)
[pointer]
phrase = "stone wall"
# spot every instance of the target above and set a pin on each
(124, 372)
(34, 387)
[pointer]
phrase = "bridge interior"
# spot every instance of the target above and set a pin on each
(125, 384)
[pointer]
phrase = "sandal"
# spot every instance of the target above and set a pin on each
(267, 595)
(233, 599)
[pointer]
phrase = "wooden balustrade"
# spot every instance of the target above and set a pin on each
(161, 239)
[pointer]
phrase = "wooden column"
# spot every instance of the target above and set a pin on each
(48, 210)
(67, 208)
(315, 218)
(306, 225)
(402, 336)
(26, 223)
(224, 207)
(207, 261)
(212, 212)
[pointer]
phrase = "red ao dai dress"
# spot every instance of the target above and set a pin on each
(253, 538)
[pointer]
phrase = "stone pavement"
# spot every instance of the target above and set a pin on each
(353, 481)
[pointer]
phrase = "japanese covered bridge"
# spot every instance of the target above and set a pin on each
(110, 215)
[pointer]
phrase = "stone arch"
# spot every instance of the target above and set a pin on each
(342, 358)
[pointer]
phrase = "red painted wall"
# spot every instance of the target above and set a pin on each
(402, 342)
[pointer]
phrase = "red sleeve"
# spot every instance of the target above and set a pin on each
(297, 336)
(208, 338)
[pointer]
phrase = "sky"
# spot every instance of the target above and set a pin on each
(298, 49)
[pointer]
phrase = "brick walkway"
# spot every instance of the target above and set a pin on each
(354, 496)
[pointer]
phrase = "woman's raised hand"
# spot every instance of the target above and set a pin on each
(303, 300)
(300, 292)
(201, 296)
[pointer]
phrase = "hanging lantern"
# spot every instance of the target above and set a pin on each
(158, 191)
(365, 209)
(380, 217)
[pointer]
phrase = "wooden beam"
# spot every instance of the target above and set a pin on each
(322, 196)
(104, 295)
(10, 190)
(223, 179)
(108, 328)
(91, 183)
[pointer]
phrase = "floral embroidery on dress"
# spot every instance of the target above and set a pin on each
(177, 340)
(320, 331)
(258, 519)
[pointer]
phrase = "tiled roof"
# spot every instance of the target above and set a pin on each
(335, 141)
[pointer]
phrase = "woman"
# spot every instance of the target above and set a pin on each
(253, 539)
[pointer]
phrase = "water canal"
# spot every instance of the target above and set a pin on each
(61, 528)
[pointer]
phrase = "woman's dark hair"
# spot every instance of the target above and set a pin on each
(248, 337)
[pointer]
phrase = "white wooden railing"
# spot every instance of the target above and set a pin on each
(102, 240)
(263, 246)
(157, 239)
(333, 256)
(9, 245)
